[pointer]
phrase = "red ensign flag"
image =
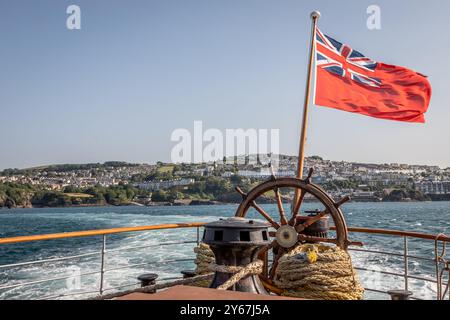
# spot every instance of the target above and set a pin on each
(349, 81)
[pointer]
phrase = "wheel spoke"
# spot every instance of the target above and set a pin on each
(281, 251)
(265, 215)
(268, 247)
(310, 221)
(263, 255)
(298, 199)
(303, 237)
(355, 243)
(283, 219)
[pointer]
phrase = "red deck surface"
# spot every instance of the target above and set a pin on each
(196, 293)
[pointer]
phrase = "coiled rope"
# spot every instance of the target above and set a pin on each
(310, 271)
(205, 262)
(252, 268)
(315, 271)
(205, 257)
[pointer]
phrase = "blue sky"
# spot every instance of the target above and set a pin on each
(137, 70)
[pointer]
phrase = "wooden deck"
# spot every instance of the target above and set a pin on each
(196, 293)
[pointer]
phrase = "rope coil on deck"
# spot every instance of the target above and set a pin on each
(252, 268)
(205, 262)
(318, 272)
(205, 257)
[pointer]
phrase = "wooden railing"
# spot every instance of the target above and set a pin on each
(100, 232)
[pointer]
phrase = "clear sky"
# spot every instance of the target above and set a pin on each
(137, 70)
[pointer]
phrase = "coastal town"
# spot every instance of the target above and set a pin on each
(123, 183)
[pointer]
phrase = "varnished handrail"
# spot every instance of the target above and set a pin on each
(399, 233)
(199, 224)
(99, 232)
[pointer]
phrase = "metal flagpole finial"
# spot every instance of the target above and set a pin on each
(315, 15)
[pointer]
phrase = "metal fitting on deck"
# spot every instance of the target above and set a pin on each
(148, 279)
(400, 294)
(188, 273)
(236, 243)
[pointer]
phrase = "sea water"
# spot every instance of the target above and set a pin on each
(125, 265)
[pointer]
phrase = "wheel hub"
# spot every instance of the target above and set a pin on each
(286, 236)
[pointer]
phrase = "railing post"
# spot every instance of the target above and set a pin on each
(102, 270)
(437, 260)
(198, 236)
(405, 257)
(447, 287)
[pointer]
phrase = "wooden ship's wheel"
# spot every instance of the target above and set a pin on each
(291, 230)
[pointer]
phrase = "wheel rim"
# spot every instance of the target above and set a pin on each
(285, 224)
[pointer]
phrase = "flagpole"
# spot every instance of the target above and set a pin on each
(315, 15)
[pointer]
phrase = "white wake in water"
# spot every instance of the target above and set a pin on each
(151, 257)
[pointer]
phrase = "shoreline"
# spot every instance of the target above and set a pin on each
(207, 203)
